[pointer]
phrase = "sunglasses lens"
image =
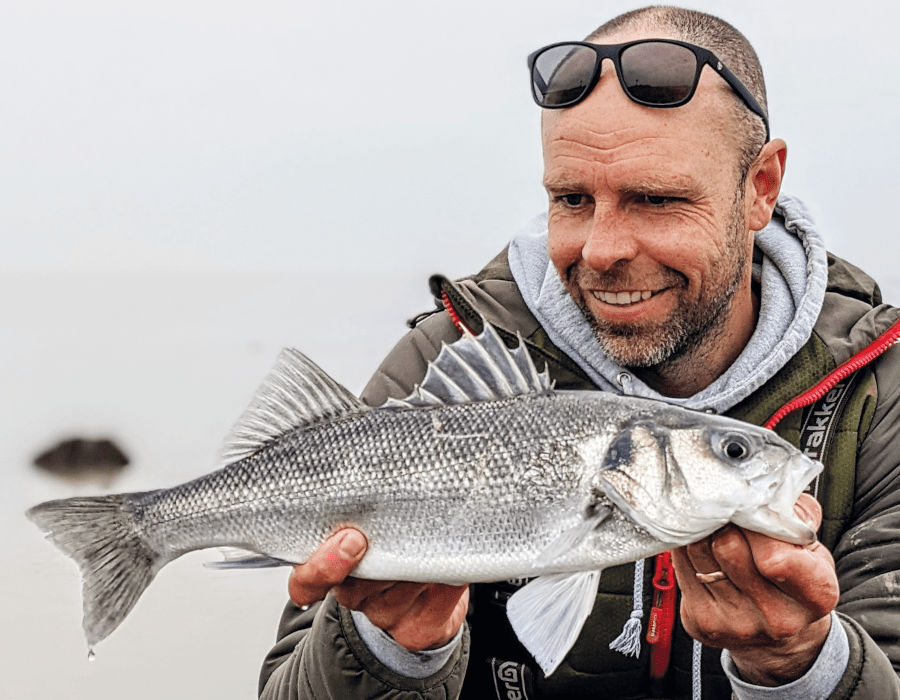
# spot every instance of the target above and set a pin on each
(561, 74)
(658, 73)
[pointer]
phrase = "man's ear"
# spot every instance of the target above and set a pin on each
(764, 183)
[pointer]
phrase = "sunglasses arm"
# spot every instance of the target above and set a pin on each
(741, 91)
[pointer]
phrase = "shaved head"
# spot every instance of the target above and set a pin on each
(722, 39)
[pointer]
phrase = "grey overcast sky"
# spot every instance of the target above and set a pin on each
(201, 134)
(245, 170)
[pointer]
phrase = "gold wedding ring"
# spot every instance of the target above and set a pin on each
(712, 577)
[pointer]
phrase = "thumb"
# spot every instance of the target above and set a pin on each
(343, 551)
(327, 567)
(809, 510)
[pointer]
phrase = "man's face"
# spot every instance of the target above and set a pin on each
(647, 228)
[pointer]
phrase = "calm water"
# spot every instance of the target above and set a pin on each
(164, 364)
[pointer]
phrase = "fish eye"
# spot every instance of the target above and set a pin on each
(735, 447)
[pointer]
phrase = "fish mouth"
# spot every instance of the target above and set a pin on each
(777, 518)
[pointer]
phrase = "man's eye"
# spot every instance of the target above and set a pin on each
(657, 200)
(572, 200)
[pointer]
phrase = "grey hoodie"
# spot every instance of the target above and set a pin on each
(793, 275)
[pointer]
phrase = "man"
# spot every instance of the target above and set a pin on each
(660, 271)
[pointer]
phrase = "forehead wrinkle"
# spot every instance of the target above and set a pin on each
(607, 144)
(574, 129)
(581, 164)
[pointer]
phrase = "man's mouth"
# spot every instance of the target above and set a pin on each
(622, 298)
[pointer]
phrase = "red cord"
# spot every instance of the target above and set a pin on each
(859, 360)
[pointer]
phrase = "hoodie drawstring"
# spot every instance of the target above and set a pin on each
(629, 642)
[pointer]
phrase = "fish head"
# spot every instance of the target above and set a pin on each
(682, 479)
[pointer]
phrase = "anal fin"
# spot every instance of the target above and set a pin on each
(547, 614)
(236, 558)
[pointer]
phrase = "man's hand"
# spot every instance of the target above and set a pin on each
(772, 610)
(417, 615)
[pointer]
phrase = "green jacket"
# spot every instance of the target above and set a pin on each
(320, 655)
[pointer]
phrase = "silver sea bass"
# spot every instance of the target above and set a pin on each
(484, 473)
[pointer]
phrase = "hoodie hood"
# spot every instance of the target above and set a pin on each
(792, 277)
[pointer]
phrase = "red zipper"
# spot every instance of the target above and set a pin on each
(662, 617)
(859, 360)
(454, 316)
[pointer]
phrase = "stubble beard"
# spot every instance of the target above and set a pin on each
(692, 325)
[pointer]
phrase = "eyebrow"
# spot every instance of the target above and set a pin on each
(563, 183)
(679, 185)
(673, 185)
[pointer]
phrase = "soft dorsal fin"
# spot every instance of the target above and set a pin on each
(478, 368)
(296, 393)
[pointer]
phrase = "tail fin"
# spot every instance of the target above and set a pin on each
(116, 565)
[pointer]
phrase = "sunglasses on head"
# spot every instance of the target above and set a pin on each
(652, 72)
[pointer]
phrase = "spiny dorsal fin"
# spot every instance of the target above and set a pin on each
(296, 393)
(478, 368)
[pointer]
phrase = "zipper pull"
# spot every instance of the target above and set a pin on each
(663, 583)
(662, 616)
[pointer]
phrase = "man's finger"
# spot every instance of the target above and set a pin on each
(386, 606)
(362, 594)
(328, 567)
(439, 610)
(803, 574)
(443, 600)
(735, 555)
(703, 557)
(700, 556)
(809, 510)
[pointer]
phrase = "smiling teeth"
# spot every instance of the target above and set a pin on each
(623, 297)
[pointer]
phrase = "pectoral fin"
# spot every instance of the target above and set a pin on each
(571, 538)
(547, 614)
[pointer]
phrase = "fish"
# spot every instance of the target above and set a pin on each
(485, 472)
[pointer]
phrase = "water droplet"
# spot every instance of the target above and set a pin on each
(91, 654)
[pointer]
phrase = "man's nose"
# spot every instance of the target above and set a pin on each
(611, 240)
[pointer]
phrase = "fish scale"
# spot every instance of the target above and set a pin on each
(484, 473)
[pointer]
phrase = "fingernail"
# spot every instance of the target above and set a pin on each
(809, 511)
(352, 545)
(807, 517)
